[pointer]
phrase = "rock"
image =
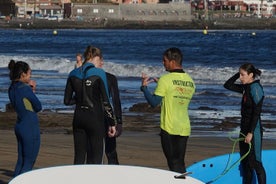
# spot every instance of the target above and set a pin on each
(144, 107)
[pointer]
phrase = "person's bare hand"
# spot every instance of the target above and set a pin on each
(248, 138)
(32, 84)
(111, 131)
(146, 79)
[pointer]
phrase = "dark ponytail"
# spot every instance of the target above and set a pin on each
(17, 68)
(249, 68)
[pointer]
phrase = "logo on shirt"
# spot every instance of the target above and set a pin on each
(183, 83)
(88, 82)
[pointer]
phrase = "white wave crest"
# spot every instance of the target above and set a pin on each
(201, 74)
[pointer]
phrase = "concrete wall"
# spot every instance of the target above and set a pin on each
(141, 12)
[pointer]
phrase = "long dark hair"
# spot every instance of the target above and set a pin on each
(17, 68)
(250, 68)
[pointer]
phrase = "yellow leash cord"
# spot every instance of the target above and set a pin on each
(228, 168)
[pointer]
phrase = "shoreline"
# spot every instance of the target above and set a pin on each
(219, 24)
(140, 118)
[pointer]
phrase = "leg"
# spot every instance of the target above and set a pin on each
(95, 130)
(95, 150)
(260, 171)
(174, 148)
(80, 145)
(258, 166)
(247, 170)
(31, 143)
(179, 145)
(110, 150)
(19, 163)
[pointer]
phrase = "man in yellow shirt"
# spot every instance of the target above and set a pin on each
(174, 92)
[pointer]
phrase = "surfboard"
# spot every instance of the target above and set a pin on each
(103, 174)
(211, 170)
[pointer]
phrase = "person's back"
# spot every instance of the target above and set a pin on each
(174, 92)
(177, 89)
(114, 96)
(90, 76)
(86, 87)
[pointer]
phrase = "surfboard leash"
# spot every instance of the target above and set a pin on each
(227, 167)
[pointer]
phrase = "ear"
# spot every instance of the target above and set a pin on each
(251, 75)
(23, 75)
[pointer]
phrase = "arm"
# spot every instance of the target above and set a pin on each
(116, 102)
(230, 84)
(107, 110)
(32, 84)
(36, 104)
(68, 93)
(257, 96)
(152, 99)
(115, 95)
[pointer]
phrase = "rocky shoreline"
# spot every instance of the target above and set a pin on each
(140, 117)
(229, 23)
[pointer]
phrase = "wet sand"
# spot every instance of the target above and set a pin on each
(139, 145)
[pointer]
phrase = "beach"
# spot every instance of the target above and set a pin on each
(139, 144)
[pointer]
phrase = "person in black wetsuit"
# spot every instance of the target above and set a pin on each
(251, 127)
(26, 105)
(86, 87)
(110, 142)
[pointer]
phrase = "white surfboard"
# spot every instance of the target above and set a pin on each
(213, 170)
(101, 174)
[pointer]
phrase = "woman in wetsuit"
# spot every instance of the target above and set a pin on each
(87, 88)
(114, 96)
(251, 127)
(26, 105)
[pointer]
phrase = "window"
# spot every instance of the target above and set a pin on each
(79, 10)
(111, 11)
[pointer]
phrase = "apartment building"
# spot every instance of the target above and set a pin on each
(30, 8)
(65, 8)
(259, 7)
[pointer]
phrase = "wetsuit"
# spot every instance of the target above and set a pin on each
(110, 142)
(174, 91)
(86, 87)
(251, 107)
(27, 130)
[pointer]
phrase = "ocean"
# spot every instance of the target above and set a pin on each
(210, 60)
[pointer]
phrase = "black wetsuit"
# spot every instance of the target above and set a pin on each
(86, 88)
(110, 142)
(251, 107)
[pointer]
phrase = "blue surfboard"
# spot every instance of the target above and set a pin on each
(214, 170)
